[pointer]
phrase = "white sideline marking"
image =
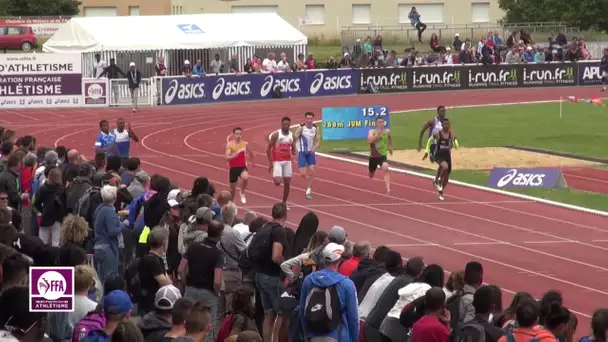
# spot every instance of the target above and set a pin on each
(393, 204)
(469, 185)
(484, 243)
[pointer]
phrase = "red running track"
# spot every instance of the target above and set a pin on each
(523, 245)
(587, 178)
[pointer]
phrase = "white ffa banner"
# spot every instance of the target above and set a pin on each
(40, 80)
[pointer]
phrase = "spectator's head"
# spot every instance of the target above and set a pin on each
(497, 297)
(432, 275)
(337, 235)
(557, 319)
(117, 306)
(13, 162)
(179, 313)
(393, 262)
(434, 300)
(62, 151)
(158, 239)
(551, 296)
(73, 156)
(204, 200)
(114, 163)
(74, 229)
(223, 198)
(228, 213)
(84, 279)
(380, 254)
(108, 194)
(143, 178)
(198, 322)
(242, 302)
(165, 299)
(215, 230)
(200, 186)
(204, 215)
(54, 177)
(4, 200)
(599, 325)
(15, 270)
(6, 148)
(279, 213)
(348, 250)
(527, 313)
(362, 250)
(100, 161)
(455, 281)
(473, 274)
(6, 213)
(115, 283)
(249, 217)
(483, 301)
(257, 223)
(127, 331)
(318, 240)
(414, 267)
(133, 164)
(132, 66)
(15, 315)
(30, 160)
(332, 254)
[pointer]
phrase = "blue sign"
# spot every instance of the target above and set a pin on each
(332, 82)
(291, 84)
(526, 178)
(183, 90)
(190, 29)
(234, 87)
(342, 123)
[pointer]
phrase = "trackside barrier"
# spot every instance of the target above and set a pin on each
(179, 90)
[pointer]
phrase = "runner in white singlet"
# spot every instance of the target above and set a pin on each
(281, 148)
(308, 141)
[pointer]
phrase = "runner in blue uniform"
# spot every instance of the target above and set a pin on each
(308, 142)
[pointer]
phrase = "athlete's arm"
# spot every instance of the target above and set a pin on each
(298, 133)
(371, 136)
(426, 126)
(390, 142)
(428, 143)
(132, 134)
(98, 144)
(228, 154)
(271, 142)
(317, 142)
(294, 147)
(454, 140)
(250, 153)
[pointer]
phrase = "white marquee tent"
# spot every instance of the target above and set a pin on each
(173, 32)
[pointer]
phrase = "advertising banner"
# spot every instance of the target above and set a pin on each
(51, 289)
(549, 74)
(234, 87)
(589, 74)
(332, 82)
(42, 27)
(437, 78)
(183, 90)
(526, 178)
(291, 84)
(390, 80)
(40, 80)
(492, 76)
(342, 123)
(95, 92)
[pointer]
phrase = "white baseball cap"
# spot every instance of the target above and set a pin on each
(186, 62)
(166, 297)
(132, 64)
(333, 252)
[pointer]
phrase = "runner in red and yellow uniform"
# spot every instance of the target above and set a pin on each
(236, 154)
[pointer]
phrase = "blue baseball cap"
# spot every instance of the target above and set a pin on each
(117, 302)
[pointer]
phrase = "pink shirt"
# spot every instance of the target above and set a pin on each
(430, 329)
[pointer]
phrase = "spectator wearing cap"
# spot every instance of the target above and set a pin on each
(134, 79)
(107, 229)
(435, 324)
(187, 69)
(361, 251)
(394, 267)
(172, 220)
(232, 245)
(370, 268)
(196, 230)
(201, 267)
(152, 269)
(457, 43)
(140, 183)
(327, 277)
(117, 307)
(413, 269)
(156, 324)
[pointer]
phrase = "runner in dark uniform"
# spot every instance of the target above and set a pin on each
(433, 126)
(444, 141)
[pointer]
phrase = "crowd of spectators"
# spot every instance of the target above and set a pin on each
(155, 263)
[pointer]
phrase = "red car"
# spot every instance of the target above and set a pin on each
(17, 38)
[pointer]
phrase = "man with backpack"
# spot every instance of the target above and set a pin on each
(479, 329)
(461, 303)
(328, 302)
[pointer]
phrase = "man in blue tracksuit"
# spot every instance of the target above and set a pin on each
(347, 295)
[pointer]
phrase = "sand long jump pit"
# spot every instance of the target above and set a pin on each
(489, 157)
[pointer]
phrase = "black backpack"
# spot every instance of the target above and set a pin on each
(412, 312)
(134, 288)
(453, 306)
(260, 248)
(88, 203)
(469, 332)
(322, 310)
(75, 191)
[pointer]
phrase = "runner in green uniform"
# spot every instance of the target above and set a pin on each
(380, 142)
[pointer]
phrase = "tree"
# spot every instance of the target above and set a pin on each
(35, 8)
(578, 13)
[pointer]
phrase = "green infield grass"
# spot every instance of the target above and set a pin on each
(582, 130)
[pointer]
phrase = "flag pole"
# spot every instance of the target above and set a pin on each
(561, 103)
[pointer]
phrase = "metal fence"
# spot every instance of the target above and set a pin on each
(120, 94)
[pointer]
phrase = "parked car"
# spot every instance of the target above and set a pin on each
(17, 38)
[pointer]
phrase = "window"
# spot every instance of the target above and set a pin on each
(315, 14)
(254, 9)
(133, 10)
(429, 13)
(15, 31)
(100, 11)
(480, 12)
(362, 14)
(177, 9)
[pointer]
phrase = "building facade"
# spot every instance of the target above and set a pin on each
(324, 19)
(111, 8)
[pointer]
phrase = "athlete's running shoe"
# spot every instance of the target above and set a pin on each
(437, 185)
(389, 192)
(243, 198)
(308, 193)
(441, 198)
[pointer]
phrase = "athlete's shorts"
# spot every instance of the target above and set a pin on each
(444, 157)
(307, 158)
(282, 169)
(235, 172)
(375, 163)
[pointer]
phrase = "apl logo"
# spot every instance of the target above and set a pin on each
(329, 83)
(557, 75)
(521, 179)
(287, 85)
(391, 81)
(51, 285)
(230, 88)
(592, 73)
(502, 77)
(184, 91)
(437, 79)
